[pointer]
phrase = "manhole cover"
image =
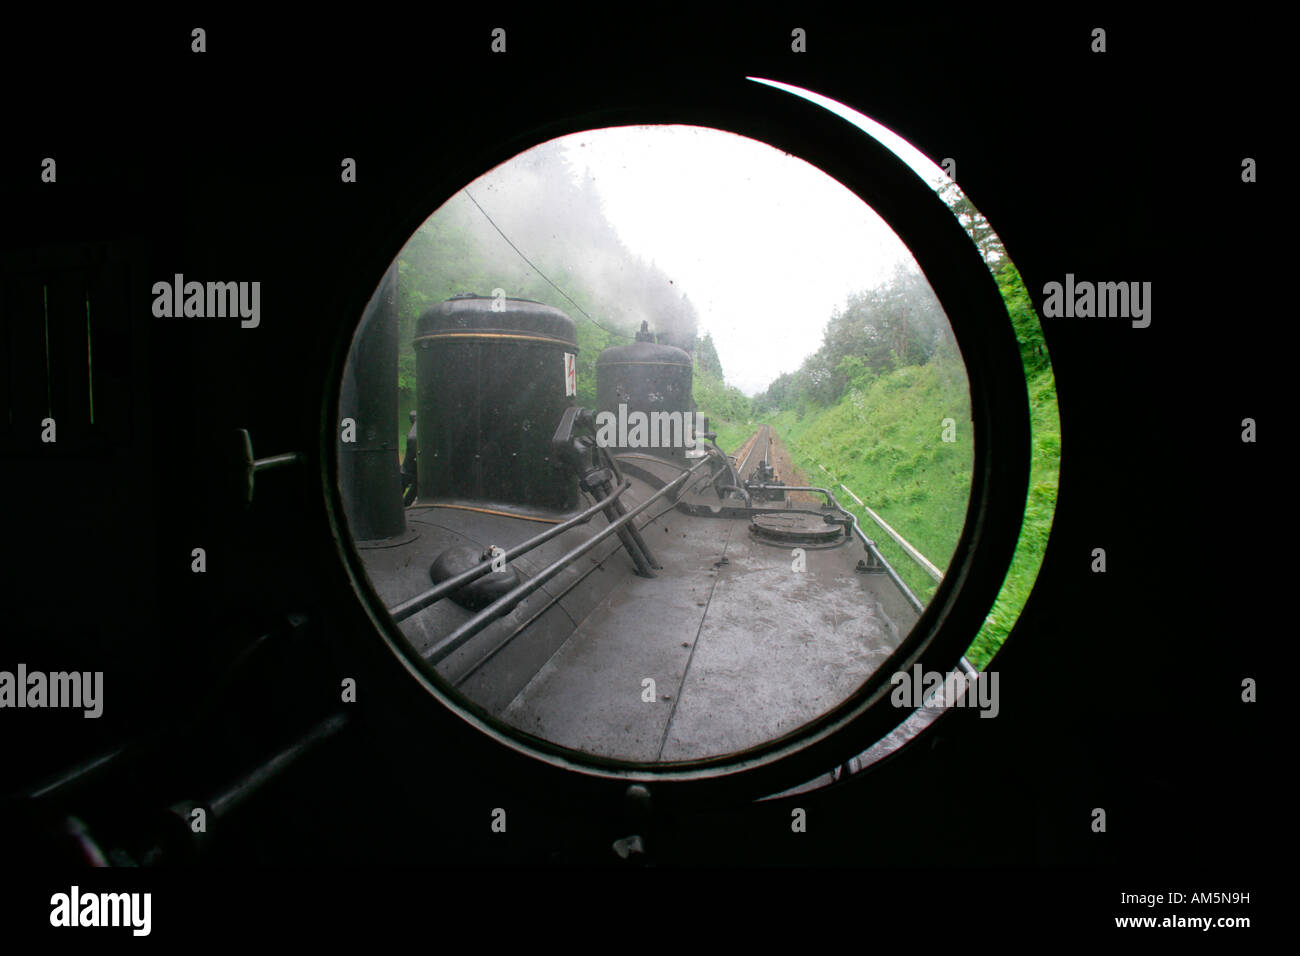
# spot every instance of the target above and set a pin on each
(799, 528)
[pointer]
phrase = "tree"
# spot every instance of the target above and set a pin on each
(706, 357)
(899, 322)
(1029, 331)
(972, 220)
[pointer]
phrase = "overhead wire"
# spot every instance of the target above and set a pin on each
(533, 266)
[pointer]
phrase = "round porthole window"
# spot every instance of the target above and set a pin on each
(672, 448)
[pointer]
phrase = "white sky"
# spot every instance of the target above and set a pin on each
(765, 244)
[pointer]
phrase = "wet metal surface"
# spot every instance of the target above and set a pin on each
(778, 648)
(589, 696)
(742, 649)
(744, 640)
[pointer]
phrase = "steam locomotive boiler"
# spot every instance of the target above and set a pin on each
(609, 580)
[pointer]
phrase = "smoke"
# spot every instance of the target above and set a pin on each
(548, 214)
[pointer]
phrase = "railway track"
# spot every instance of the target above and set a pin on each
(758, 451)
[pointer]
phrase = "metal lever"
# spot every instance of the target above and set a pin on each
(597, 470)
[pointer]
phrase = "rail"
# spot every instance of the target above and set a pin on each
(228, 798)
(414, 605)
(743, 468)
(506, 602)
(922, 561)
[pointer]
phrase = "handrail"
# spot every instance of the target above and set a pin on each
(414, 605)
(506, 602)
(926, 565)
